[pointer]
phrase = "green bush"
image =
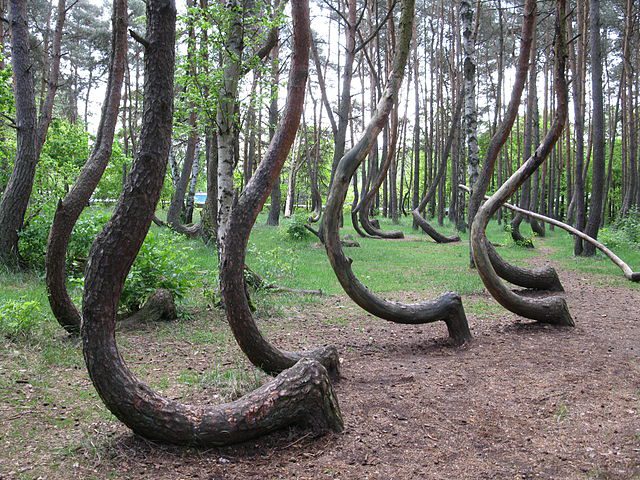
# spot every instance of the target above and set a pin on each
(33, 239)
(18, 318)
(295, 227)
(161, 262)
(625, 231)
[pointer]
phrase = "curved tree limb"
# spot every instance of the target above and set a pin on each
(301, 395)
(629, 274)
(70, 208)
(245, 212)
(554, 309)
(448, 307)
(417, 216)
(543, 278)
(502, 134)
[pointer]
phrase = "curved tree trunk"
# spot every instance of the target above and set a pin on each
(449, 306)
(626, 269)
(70, 208)
(552, 310)
(502, 134)
(245, 212)
(301, 395)
(544, 278)
(418, 219)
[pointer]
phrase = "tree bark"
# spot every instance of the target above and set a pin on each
(177, 207)
(578, 84)
(439, 177)
(470, 108)
(598, 170)
(70, 208)
(502, 133)
(626, 269)
(226, 113)
(46, 108)
(245, 212)
(273, 218)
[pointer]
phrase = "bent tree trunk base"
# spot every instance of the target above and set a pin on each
(418, 219)
(517, 236)
(545, 278)
(426, 227)
(70, 208)
(372, 226)
(245, 211)
(629, 274)
(346, 242)
(447, 307)
(160, 306)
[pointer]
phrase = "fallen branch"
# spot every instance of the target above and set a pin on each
(626, 269)
(256, 281)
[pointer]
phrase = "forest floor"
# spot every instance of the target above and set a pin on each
(521, 401)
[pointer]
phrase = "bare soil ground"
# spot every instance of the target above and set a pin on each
(522, 401)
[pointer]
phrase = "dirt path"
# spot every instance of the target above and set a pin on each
(522, 401)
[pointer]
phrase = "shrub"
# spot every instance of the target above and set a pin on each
(18, 318)
(33, 239)
(161, 263)
(625, 231)
(296, 227)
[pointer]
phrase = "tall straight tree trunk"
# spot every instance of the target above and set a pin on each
(415, 198)
(577, 61)
(631, 118)
(226, 114)
(598, 170)
(273, 218)
(46, 108)
(344, 107)
(529, 133)
(18, 190)
(177, 206)
(189, 203)
(470, 108)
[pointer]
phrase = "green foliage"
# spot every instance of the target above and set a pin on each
(62, 157)
(18, 318)
(163, 262)
(110, 185)
(625, 231)
(274, 264)
(33, 239)
(295, 227)
(7, 106)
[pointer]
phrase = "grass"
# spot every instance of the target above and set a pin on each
(416, 264)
